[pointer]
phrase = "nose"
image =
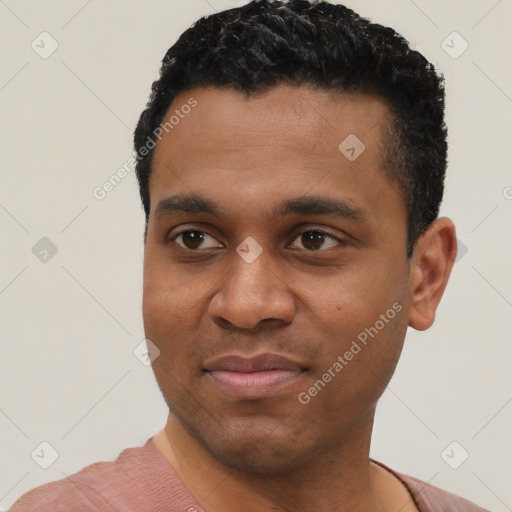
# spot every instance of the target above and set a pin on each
(250, 294)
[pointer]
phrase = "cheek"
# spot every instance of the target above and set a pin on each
(173, 307)
(164, 311)
(167, 325)
(353, 374)
(364, 320)
(355, 297)
(170, 295)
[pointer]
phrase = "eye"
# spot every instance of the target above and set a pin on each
(315, 240)
(193, 239)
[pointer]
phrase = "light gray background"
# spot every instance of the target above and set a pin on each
(69, 326)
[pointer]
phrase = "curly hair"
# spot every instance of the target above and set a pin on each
(330, 47)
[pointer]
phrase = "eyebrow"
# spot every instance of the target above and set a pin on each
(305, 205)
(192, 203)
(318, 205)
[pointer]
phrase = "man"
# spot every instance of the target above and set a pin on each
(291, 163)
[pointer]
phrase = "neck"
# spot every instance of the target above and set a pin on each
(343, 479)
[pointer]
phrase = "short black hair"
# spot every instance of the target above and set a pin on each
(327, 46)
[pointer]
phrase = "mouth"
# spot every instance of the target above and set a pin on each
(256, 377)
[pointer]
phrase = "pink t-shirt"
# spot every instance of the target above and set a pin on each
(141, 480)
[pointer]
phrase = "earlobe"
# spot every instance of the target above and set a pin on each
(431, 265)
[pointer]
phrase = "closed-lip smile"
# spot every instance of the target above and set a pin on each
(253, 377)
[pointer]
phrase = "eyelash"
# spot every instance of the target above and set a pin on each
(316, 231)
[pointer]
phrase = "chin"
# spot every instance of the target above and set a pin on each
(254, 445)
(257, 457)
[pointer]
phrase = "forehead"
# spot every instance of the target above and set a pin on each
(308, 119)
(289, 138)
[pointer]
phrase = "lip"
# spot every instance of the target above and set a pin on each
(253, 377)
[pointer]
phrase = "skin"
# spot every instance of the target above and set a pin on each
(248, 155)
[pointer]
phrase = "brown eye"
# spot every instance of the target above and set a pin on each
(316, 240)
(193, 239)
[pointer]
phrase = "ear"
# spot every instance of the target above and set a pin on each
(431, 264)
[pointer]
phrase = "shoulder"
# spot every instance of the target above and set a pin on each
(62, 496)
(433, 498)
(429, 498)
(107, 486)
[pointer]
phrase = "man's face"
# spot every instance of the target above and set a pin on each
(273, 268)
